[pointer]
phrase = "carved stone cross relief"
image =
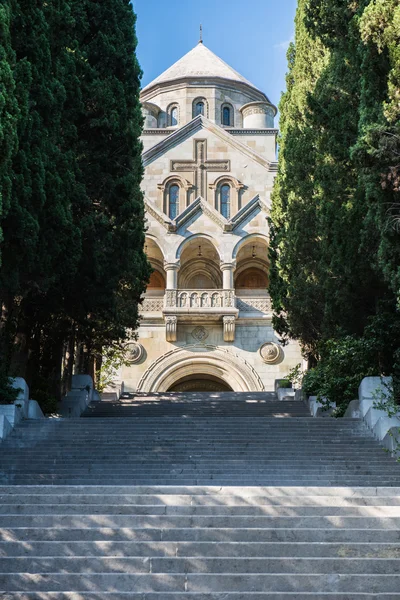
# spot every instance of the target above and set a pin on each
(200, 167)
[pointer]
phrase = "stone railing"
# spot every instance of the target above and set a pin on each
(254, 305)
(206, 299)
(196, 299)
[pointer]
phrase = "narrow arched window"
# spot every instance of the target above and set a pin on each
(173, 204)
(199, 109)
(225, 201)
(174, 116)
(226, 116)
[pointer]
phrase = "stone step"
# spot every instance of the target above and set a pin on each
(192, 596)
(378, 535)
(215, 510)
(198, 521)
(125, 549)
(236, 499)
(201, 583)
(211, 565)
(48, 480)
(199, 469)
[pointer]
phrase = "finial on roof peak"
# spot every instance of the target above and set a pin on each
(201, 34)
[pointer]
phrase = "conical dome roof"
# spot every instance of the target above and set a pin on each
(199, 62)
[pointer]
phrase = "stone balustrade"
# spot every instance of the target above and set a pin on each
(195, 299)
(207, 300)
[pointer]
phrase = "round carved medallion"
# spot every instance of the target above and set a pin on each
(135, 352)
(200, 334)
(270, 353)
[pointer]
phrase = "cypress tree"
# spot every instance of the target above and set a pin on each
(295, 242)
(334, 257)
(8, 112)
(103, 299)
(8, 144)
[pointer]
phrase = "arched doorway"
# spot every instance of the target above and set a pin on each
(197, 362)
(200, 383)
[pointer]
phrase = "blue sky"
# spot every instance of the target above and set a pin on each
(250, 35)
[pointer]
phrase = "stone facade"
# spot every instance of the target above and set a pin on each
(210, 162)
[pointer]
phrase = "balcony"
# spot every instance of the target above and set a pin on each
(205, 305)
(251, 304)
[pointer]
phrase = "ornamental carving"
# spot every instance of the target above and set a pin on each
(271, 353)
(229, 328)
(200, 334)
(152, 305)
(170, 298)
(135, 352)
(258, 111)
(171, 329)
(263, 305)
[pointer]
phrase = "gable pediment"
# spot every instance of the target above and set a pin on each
(200, 207)
(197, 124)
(249, 212)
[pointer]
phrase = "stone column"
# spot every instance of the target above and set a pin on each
(227, 275)
(172, 270)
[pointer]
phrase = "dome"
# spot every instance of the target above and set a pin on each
(198, 63)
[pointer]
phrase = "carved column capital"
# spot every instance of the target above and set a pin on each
(172, 266)
(228, 266)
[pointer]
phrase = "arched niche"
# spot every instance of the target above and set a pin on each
(252, 270)
(200, 265)
(156, 285)
(252, 278)
(157, 281)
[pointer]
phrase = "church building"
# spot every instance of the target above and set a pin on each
(210, 161)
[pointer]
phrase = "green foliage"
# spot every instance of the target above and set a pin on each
(113, 358)
(285, 383)
(8, 112)
(295, 376)
(73, 263)
(344, 363)
(8, 394)
(346, 359)
(335, 250)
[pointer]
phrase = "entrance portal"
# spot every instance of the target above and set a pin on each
(200, 383)
(217, 366)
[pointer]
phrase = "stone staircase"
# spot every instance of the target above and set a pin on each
(217, 497)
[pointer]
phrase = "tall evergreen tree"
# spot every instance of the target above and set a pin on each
(113, 270)
(8, 111)
(330, 239)
(295, 242)
(74, 268)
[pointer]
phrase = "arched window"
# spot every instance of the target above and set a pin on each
(225, 200)
(226, 116)
(174, 116)
(173, 203)
(199, 108)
